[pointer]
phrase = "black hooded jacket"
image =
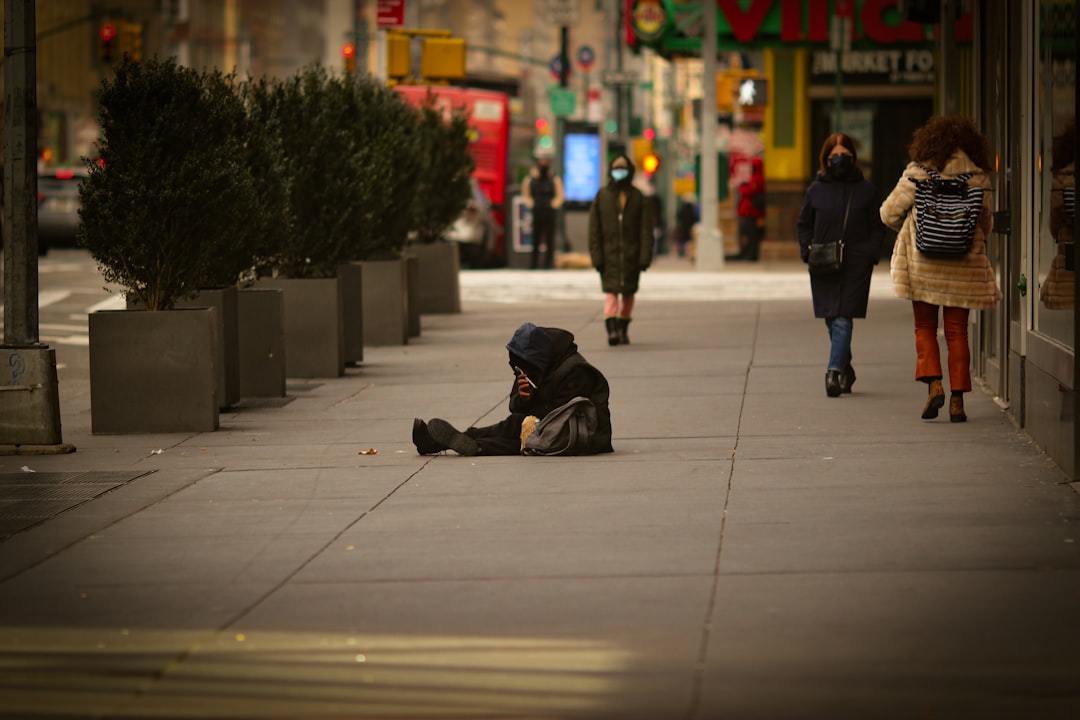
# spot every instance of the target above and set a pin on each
(561, 373)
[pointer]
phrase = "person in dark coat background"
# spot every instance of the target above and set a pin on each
(842, 296)
(548, 372)
(620, 245)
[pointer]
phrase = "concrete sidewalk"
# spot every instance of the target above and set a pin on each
(753, 549)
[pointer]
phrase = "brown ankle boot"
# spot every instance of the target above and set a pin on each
(935, 400)
(956, 409)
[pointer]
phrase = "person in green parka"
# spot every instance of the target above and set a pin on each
(620, 245)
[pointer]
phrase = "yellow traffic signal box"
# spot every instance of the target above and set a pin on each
(443, 59)
(397, 55)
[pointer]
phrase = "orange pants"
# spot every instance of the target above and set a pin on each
(928, 364)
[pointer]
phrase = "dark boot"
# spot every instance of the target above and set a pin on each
(612, 325)
(832, 383)
(956, 408)
(847, 379)
(451, 438)
(425, 444)
(623, 324)
(935, 400)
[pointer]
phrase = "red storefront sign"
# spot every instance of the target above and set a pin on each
(390, 14)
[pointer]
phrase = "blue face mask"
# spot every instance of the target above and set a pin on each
(840, 165)
(619, 174)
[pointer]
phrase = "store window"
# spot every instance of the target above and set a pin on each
(1055, 249)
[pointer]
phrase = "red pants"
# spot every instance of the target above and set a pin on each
(928, 364)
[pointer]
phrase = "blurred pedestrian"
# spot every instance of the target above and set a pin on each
(841, 204)
(751, 211)
(548, 373)
(950, 148)
(620, 245)
(685, 219)
(543, 194)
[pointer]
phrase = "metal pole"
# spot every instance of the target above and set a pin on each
(709, 248)
(949, 85)
(20, 175)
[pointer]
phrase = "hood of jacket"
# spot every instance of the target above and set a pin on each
(537, 350)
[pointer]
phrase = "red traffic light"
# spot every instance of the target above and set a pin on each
(348, 50)
(649, 134)
(541, 125)
(107, 32)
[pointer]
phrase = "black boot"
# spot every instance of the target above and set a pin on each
(623, 324)
(832, 383)
(847, 379)
(425, 444)
(612, 325)
(451, 438)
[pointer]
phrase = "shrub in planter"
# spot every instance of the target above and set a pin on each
(446, 164)
(349, 150)
(173, 206)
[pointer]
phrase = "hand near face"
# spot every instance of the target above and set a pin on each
(524, 389)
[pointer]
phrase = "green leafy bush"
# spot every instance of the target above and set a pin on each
(446, 166)
(174, 207)
(350, 152)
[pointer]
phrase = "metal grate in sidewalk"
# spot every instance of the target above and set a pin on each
(30, 498)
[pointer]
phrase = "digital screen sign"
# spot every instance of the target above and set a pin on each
(581, 167)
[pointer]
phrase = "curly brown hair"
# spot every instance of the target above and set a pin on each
(831, 142)
(935, 142)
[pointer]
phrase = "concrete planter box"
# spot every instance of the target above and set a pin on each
(228, 360)
(314, 327)
(438, 282)
(154, 372)
(386, 316)
(351, 276)
(261, 342)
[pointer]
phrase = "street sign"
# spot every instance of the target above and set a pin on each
(620, 77)
(563, 12)
(586, 57)
(390, 14)
(563, 100)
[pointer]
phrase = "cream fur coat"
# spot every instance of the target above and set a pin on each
(966, 282)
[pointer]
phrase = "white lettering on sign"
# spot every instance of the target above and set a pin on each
(897, 65)
(487, 110)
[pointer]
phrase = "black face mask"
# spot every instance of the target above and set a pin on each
(840, 166)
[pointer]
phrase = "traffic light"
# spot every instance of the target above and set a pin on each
(650, 163)
(442, 58)
(129, 39)
(106, 43)
(543, 134)
(348, 52)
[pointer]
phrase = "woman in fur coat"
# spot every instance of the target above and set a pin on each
(1057, 289)
(949, 286)
(841, 297)
(620, 245)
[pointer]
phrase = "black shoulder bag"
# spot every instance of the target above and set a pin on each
(828, 257)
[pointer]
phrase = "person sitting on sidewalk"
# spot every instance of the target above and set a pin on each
(548, 372)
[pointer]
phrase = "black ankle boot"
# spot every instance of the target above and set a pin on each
(832, 383)
(623, 324)
(612, 325)
(847, 379)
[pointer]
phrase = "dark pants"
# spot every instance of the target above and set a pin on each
(502, 438)
(749, 238)
(543, 233)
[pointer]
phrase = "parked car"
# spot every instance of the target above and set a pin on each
(475, 231)
(58, 205)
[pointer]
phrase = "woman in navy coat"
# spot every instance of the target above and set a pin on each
(842, 296)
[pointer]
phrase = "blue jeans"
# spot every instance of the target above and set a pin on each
(840, 334)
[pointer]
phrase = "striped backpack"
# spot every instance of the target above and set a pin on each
(946, 211)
